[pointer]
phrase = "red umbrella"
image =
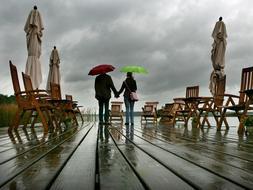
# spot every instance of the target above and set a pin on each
(100, 69)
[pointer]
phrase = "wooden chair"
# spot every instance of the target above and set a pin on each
(214, 104)
(240, 107)
(41, 97)
(186, 106)
(75, 106)
(64, 106)
(166, 113)
(149, 112)
(26, 103)
(116, 113)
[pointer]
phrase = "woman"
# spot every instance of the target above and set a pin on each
(129, 85)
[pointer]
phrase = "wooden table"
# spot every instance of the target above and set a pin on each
(192, 106)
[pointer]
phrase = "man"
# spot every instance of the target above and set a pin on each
(103, 87)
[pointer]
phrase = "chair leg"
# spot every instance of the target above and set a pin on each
(54, 118)
(205, 120)
(241, 128)
(51, 120)
(43, 120)
(74, 117)
(15, 121)
(80, 114)
(226, 123)
(221, 119)
(26, 134)
(174, 118)
(34, 120)
(27, 119)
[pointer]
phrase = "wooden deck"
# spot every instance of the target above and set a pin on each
(121, 157)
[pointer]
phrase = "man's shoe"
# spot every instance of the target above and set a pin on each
(126, 123)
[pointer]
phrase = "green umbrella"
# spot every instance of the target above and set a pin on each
(134, 69)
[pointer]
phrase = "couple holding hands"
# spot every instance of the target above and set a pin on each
(103, 87)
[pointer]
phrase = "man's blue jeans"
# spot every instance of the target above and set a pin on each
(129, 110)
(103, 103)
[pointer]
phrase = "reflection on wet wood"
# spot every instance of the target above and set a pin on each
(79, 171)
(114, 171)
(126, 157)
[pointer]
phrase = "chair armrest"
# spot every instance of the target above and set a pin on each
(231, 95)
(20, 93)
(38, 92)
(178, 99)
(41, 90)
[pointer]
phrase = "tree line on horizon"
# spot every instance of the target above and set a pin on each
(5, 99)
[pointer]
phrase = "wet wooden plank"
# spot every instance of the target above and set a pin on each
(79, 172)
(155, 175)
(187, 169)
(18, 147)
(28, 150)
(199, 153)
(241, 174)
(175, 138)
(41, 162)
(114, 171)
(207, 156)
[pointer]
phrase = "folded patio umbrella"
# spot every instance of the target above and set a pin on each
(218, 52)
(134, 69)
(101, 69)
(54, 69)
(33, 29)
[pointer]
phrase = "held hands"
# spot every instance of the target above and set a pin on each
(116, 95)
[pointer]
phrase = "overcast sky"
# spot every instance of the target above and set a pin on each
(172, 39)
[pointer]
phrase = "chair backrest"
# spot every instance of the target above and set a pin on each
(151, 106)
(116, 107)
(152, 103)
(14, 77)
(192, 91)
(27, 82)
(55, 91)
(148, 108)
(219, 92)
(246, 83)
(16, 86)
(68, 97)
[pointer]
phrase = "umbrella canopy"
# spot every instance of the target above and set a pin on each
(54, 71)
(134, 69)
(101, 69)
(218, 52)
(33, 29)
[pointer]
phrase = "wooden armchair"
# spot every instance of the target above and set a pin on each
(75, 106)
(241, 107)
(166, 113)
(116, 113)
(214, 104)
(186, 106)
(64, 106)
(26, 103)
(40, 97)
(149, 112)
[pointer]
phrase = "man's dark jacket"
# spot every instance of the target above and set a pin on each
(103, 86)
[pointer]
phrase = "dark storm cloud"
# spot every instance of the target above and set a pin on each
(172, 39)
